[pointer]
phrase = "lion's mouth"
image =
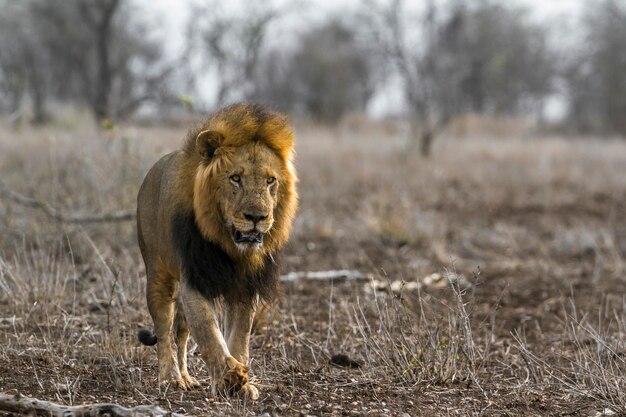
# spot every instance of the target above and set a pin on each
(251, 236)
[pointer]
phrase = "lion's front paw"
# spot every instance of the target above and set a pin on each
(170, 377)
(176, 383)
(190, 382)
(235, 377)
(250, 392)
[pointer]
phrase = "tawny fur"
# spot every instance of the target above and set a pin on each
(194, 181)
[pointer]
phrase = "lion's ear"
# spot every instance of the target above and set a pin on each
(207, 142)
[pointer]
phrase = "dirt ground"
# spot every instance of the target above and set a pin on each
(494, 277)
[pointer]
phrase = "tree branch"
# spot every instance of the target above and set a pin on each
(114, 216)
(21, 405)
(334, 275)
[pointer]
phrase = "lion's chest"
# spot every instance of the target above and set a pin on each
(208, 269)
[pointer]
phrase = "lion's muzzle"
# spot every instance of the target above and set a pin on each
(255, 218)
(250, 236)
(251, 228)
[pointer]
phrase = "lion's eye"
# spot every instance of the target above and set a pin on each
(235, 178)
(271, 180)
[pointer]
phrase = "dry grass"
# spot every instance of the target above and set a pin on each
(538, 227)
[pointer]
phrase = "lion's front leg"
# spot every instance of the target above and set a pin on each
(228, 375)
(238, 324)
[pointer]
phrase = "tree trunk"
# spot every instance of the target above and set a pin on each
(103, 84)
(40, 115)
(426, 143)
(37, 87)
(99, 16)
(16, 87)
(422, 136)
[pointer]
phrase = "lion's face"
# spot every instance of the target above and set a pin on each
(244, 195)
(249, 194)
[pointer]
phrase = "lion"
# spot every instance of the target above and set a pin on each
(212, 219)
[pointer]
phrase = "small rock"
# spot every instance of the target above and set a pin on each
(605, 412)
(344, 361)
(63, 388)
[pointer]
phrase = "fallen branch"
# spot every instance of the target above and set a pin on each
(21, 405)
(334, 275)
(115, 216)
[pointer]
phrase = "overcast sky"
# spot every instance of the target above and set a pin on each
(172, 15)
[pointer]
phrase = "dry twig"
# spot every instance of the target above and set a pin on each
(332, 275)
(21, 405)
(114, 216)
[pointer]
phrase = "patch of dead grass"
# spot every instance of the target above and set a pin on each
(539, 333)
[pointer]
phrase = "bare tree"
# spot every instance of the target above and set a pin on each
(595, 76)
(24, 62)
(327, 75)
(98, 16)
(459, 56)
(416, 58)
(232, 45)
(118, 63)
(91, 51)
(510, 68)
(273, 83)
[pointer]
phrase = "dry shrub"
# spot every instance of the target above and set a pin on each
(420, 347)
(589, 361)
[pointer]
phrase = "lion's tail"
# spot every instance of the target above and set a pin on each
(146, 337)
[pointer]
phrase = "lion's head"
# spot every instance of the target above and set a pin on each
(244, 194)
(247, 190)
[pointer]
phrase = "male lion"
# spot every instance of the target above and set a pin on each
(212, 218)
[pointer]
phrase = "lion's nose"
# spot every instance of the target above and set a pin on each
(255, 218)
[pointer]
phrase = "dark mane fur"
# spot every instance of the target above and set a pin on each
(208, 269)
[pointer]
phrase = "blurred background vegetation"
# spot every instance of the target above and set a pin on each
(432, 62)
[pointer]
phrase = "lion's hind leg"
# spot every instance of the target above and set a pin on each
(160, 293)
(182, 337)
